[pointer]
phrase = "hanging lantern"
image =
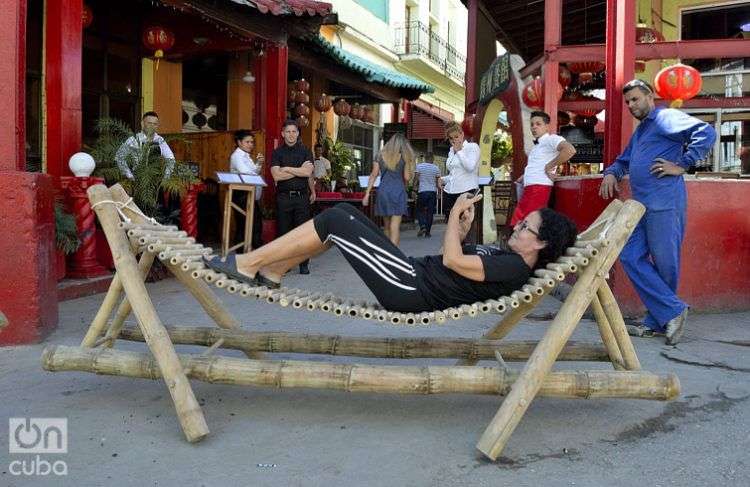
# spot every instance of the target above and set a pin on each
(585, 122)
(587, 112)
(303, 121)
(356, 111)
(302, 97)
(563, 118)
(341, 108)
(640, 66)
(585, 70)
(158, 39)
(323, 103)
(303, 85)
(87, 16)
(644, 33)
(368, 114)
(302, 109)
(363, 112)
(292, 92)
(533, 93)
(564, 77)
(678, 83)
(468, 125)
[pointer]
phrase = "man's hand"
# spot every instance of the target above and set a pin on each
(550, 172)
(609, 187)
(663, 167)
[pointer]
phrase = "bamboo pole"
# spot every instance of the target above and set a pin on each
(365, 378)
(495, 437)
(188, 411)
(612, 312)
(608, 338)
(384, 347)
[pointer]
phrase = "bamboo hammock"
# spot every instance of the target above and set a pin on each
(130, 233)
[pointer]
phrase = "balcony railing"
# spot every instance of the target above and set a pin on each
(416, 38)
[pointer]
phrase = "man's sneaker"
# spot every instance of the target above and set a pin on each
(421, 232)
(675, 327)
(641, 330)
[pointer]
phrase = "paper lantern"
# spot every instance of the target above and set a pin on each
(302, 109)
(356, 111)
(585, 70)
(87, 16)
(292, 93)
(323, 103)
(302, 97)
(341, 108)
(564, 77)
(303, 121)
(678, 83)
(158, 39)
(587, 112)
(303, 85)
(533, 93)
(368, 114)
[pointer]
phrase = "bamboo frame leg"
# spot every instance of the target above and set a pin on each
(227, 221)
(608, 338)
(498, 432)
(249, 215)
(102, 315)
(612, 311)
(188, 410)
(504, 326)
(144, 265)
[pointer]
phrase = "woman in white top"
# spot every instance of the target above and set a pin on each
(462, 166)
(241, 162)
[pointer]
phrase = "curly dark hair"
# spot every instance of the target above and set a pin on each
(559, 232)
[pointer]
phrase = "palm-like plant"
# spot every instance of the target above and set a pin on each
(145, 162)
(341, 157)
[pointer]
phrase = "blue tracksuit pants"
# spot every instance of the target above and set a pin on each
(651, 258)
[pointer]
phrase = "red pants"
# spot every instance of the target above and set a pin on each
(534, 197)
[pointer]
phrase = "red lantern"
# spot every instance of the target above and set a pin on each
(468, 124)
(644, 33)
(158, 39)
(586, 70)
(302, 109)
(303, 121)
(585, 122)
(341, 108)
(323, 103)
(564, 77)
(292, 93)
(678, 83)
(587, 112)
(303, 85)
(356, 111)
(533, 93)
(87, 16)
(302, 97)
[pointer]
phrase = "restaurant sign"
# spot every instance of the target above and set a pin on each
(495, 79)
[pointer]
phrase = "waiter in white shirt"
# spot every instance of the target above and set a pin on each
(242, 162)
(463, 169)
(133, 145)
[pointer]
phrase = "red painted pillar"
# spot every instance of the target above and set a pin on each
(552, 39)
(62, 64)
(83, 263)
(189, 209)
(512, 102)
(471, 53)
(27, 240)
(271, 103)
(620, 61)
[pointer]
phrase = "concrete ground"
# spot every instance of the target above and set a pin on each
(124, 431)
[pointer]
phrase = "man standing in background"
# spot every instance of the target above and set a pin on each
(427, 178)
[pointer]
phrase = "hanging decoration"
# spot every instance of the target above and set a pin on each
(564, 77)
(292, 92)
(356, 111)
(87, 16)
(533, 93)
(585, 70)
(323, 103)
(303, 85)
(302, 109)
(678, 83)
(368, 114)
(342, 108)
(587, 112)
(158, 39)
(303, 121)
(585, 122)
(302, 97)
(468, 125)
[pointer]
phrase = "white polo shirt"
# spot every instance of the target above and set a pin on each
(241, 162)
(463, 169)
(544, 151)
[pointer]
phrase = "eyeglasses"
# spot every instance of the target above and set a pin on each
(524, 225)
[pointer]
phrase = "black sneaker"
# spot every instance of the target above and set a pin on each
(304, 269)
(642, 331)
(421, 232)
(427, 234)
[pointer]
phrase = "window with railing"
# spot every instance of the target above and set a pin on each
(418, 38)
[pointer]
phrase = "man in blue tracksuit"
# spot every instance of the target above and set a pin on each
(665, 144)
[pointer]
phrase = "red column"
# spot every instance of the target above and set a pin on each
(62, 64)
(471, 53)
(271, 104)
(552, 39)
(189, 209)
(27, 240)
(620, 61)
(83, 263)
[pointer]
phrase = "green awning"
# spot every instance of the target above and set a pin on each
(372, 72)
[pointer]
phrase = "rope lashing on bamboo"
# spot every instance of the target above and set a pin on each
(175, 247)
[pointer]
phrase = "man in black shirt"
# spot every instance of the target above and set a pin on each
(291, 168)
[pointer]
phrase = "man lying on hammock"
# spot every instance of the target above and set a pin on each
(462, 275)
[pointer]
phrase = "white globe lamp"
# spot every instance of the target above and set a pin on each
(81, 164)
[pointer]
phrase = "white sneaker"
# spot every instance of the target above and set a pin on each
(675, 327)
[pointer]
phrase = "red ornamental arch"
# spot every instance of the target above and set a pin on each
(678, 83)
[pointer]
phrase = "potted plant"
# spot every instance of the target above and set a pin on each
(66, 237)
(341, 157)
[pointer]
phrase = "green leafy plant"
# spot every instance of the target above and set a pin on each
(66, 232)
(341, 157)
(502, 148)
(145, 162)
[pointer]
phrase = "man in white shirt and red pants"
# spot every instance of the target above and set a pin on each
(549, 151)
